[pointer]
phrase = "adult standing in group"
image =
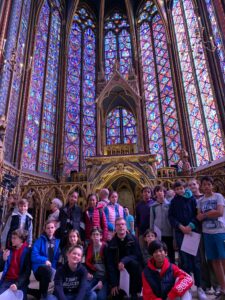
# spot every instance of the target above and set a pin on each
(70, 217)
(55, 206)
(103, 198)
(143, 213)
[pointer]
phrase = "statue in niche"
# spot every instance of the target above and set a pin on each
(131, 72)
(116, 66)
(2, 143)
(185, 165)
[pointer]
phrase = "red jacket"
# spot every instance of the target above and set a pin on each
(183, 281)
(97, 219)
(89, 256)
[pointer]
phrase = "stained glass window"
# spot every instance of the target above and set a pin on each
(10, 82)
(120, 127)
(38, 145)
(80, 122)
(220, 50)
(200, 99)
(160, 107)
(117, 44)
(49, 107)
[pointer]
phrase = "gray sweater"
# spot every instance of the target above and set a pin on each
(159, 218)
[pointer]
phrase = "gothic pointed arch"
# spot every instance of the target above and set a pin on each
(117, 43)
(119, 95)
(116, 170)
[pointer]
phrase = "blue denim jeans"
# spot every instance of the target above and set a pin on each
(99, 294)
(52, 297)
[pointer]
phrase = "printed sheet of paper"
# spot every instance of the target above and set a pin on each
(10, 295)
(190, 243)
(95, 287)
(125, 281)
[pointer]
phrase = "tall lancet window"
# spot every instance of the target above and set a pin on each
(160, 106)
(120, 127)
(80, 119)
(220, 47)
(117, 44)
(39, 135)
(11, 79)
(200, 99)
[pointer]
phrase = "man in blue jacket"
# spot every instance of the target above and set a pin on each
(44, 257)
(124, 253)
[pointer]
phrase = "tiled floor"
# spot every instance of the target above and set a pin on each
(34, 285)
(194, 293)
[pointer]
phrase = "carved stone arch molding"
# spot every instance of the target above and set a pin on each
(123, 169)
(118, 92)
(126, 190)
(168, 184)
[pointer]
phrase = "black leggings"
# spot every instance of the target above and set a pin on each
(43, 275)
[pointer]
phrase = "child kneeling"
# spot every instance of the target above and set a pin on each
(163, 280)
(15, 264)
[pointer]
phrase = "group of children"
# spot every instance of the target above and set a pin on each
(83, 252)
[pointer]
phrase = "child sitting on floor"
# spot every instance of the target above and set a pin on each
(163, 280)
(15, 264)
(95, 263)
(44, 257)
(71, 278)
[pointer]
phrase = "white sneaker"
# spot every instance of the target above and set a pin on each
(201, 294)
(209, 291)
(217, 291)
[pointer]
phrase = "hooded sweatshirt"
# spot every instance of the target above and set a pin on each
(167, 282)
